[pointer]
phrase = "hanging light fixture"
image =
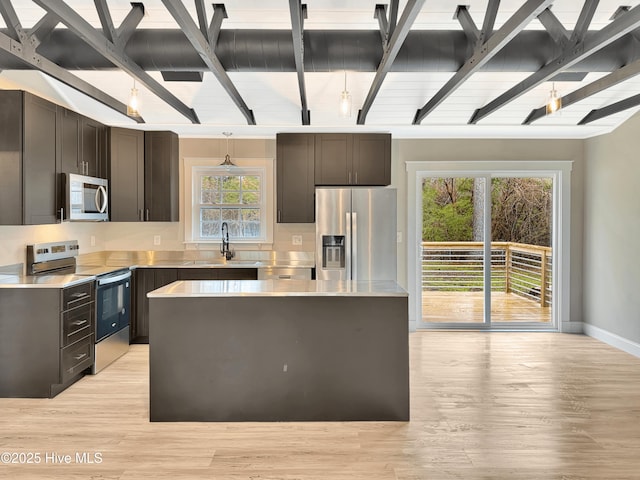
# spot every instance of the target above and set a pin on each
(345, 100)
(554, 103)
(227, 159)
(132, 106)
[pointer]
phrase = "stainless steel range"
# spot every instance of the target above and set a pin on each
(113, 295)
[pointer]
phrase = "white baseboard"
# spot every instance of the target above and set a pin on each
(612, 339)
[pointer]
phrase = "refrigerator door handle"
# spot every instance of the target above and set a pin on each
(354, 246)
(347, 249)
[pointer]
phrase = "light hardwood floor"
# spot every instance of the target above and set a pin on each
(483, 406)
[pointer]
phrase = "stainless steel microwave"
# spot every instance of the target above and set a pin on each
(86, 198)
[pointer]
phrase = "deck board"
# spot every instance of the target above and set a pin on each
(468, 307)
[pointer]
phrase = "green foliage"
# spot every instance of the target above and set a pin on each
(447, 208)
(521, 210)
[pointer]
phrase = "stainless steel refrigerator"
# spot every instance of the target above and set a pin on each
(356, 233)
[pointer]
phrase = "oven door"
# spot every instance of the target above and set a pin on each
(113, 303)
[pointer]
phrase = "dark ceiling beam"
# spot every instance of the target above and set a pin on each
(570, 56)
(202, 47)
(298, 14)
(584, 20)
(42, 29)
(115, 55)
(393, 16)
(554, 27)
(380, 13)
(130, 23)
(483, 53)
(489, 20)
(219, 14)
(108, 30)
(11, 20)
(27, 54)
(468, 25)
(612, 109)
(625, 73)
(386, 25)
(409, 14)
(202, 18)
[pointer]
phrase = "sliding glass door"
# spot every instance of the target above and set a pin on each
(486, 256)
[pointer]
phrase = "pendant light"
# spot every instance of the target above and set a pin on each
(345, 100)
(132, 106)
(554, 103)
(227, 159)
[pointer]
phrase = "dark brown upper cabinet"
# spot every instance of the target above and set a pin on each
(161, 184)
(125, 171)
(353, 159)
(143, 176)
(295, 177)
(93, 137)
(28, 146)
(82, 144)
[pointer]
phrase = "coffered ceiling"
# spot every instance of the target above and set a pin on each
(428, 68)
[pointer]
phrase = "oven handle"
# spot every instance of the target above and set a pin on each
(114, 278)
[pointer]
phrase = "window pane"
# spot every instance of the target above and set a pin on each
(230, 197)
(210, 214)
(250, 198)
(231, 183)
(230, 215)
(209, 229)
(250, 182)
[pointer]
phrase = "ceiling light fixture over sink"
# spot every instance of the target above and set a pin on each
(227, 159)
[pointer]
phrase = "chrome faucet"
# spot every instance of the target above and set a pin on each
(225, 249)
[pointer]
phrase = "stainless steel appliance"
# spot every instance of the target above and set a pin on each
(356, 233)
(112, 294)
(86, 198)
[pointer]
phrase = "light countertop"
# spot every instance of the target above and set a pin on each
(43, 281)
(278, 288)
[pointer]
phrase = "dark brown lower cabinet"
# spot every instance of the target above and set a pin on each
(149, 279)
(46, 339)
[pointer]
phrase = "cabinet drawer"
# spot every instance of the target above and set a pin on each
(75, 358)
(77, 295)
(77, 323)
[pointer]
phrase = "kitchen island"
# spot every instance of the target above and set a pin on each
(278, 350)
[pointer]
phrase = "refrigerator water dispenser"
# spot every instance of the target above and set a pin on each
(333, 253)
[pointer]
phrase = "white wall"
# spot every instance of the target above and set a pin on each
(14, 239)
(612, 237)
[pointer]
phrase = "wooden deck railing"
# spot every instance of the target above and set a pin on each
(516, 268)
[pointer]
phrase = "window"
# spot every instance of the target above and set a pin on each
(239, 196)
(232, 198)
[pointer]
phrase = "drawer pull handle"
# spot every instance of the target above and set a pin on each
(284, 277)
(79, 294)
(79, 357)
(77, 323)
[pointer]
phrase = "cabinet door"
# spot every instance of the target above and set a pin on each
(10, 158)
(69, 138)
(371, 159)
(238, 274)
(161, 199)
(295, 177)
(93, 153)
(333, 158)
(39, 161)
(197, 274)
(126, 175)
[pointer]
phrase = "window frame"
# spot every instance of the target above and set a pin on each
(194, 168)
